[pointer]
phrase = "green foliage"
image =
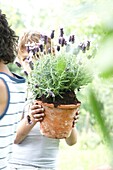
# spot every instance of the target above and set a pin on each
(81, 156)
(56, 74)
(107, 73)
(97, 108)
(14, 17)
(14, 68)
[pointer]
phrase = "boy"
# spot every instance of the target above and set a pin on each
(32, 150)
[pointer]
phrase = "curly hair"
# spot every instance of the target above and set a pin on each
(8, 41)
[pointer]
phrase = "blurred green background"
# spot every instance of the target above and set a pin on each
(88, 20)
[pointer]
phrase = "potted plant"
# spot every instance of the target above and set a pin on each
(57, 73)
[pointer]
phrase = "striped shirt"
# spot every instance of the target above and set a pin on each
(12, 114)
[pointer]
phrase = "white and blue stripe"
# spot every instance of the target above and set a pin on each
(12, 114)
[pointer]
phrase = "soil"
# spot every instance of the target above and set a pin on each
(68, 97)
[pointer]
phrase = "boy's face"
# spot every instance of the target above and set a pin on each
(26, 59)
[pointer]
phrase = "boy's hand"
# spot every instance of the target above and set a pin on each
(36, 113)
(76, 118)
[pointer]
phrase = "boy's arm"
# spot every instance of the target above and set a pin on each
(72, 139)
(27, 123)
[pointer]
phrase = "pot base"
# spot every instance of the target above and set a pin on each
(58, 121)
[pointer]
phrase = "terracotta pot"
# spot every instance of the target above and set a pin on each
(58, 121)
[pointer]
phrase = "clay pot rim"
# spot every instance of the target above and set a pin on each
(69, 106)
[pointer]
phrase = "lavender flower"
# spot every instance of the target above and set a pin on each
(58, 48)
(44, 47)
(59, 40)
(27, 48)
(51, 94)
(61, 32)
(88, 45)
(18, 64)
(62, 41)
(31, 65)
(83, 48)
(70, 39)
(73, 39)
(36, 86)
(41, 47)
(45, 39)
(25, 72)
(52, 34)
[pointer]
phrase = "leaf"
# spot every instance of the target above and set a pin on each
(97, 108)
(108, 73)
(60, 65)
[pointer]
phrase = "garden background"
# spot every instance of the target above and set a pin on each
(88, 20)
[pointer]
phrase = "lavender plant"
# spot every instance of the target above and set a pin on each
(57, 69)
